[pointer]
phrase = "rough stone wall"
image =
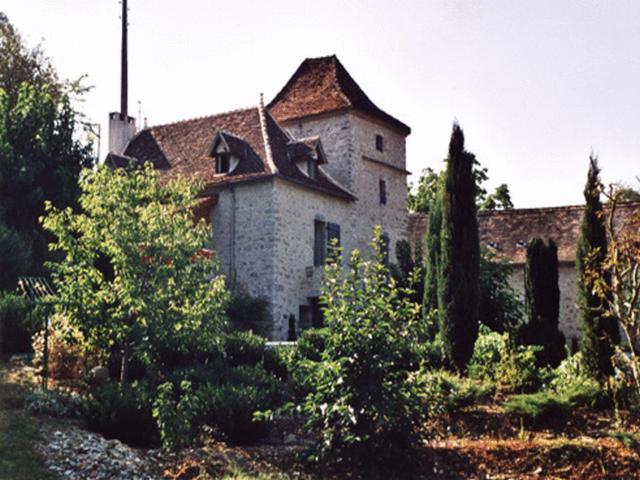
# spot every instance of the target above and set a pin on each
(336, 135)
(244, 236)
(295, 277)
(569, 319)
(369, 167)
(349, 141)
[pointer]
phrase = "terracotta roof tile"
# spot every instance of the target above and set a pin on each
(509, 231)
(322, 85)
(184, 149)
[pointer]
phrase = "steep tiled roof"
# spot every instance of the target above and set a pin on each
(509, 231)
(184, 149)
(322, 85)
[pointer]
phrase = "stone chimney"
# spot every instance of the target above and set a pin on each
(122, 127)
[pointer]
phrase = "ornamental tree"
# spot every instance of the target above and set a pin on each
(599, 331)
(615, 279)
(365, 399)
(133, 277)
(542, 301)
(459, 261)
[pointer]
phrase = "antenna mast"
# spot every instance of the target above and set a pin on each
(124, 80)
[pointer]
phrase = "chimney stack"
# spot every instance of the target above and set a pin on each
(122, 127)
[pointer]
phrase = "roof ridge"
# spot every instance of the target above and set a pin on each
(265, 136)
(203, 117)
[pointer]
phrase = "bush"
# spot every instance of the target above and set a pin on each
(244, 348)
(68, 359)
(248, 313)
(226, 404)
(510, 367)
(54, 403)
(311, 344)
(123, 411)
(446, 392)
(17, 324)
(276, 361)
(538, 407)
(364, 394)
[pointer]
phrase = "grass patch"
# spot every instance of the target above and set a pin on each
(18, 434)
(628, 439)
(537, 407)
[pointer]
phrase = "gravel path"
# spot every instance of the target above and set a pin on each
(76, 454)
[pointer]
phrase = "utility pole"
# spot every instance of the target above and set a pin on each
(124, 80)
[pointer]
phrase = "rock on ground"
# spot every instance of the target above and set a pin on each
(77, 454)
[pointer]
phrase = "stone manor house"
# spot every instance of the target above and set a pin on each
(321, 161)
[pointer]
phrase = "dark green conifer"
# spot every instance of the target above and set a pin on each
(598, 331)
(542, 302)
(459, 262)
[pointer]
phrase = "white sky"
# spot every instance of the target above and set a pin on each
(534, 84)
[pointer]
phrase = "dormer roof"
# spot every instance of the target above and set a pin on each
(323, 85)
(254, 137)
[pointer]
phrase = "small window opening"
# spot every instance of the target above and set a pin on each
(383, 192)
(379, 143)
(222, 163)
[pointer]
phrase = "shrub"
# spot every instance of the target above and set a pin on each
(446, 392)
(17, 324)
(538, 407)
(248, 313)
(311, 344)
(276, 361)
(510, 367)
(365, 400)
(123, 411)
(68, 359)
(54, 403)
(226, 404)
(244, 348)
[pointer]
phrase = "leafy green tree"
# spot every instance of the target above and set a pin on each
(364, 398)
(500, 199)
(426, 193)
(431, 264)
(20, 64)
(40, 154)
(599, 331)
(542, 302)
(40, 161)
(459, 262)
(500, 306)
(133, 277)
(408, 270)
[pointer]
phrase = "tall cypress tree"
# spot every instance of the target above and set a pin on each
(431, 258)
(542, 301)
(598, 331)
(459, 263)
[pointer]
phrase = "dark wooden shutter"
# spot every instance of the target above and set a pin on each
(333, 233)
(319, 243)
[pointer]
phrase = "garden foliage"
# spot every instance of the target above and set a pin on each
(364, 398)
(542, 300)
(133, 277)
(459, 262)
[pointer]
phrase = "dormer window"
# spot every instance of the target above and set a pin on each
(379, 143)
(223, 161)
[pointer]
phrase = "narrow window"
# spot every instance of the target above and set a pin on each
(383, 192)
(317, 316)
(379, 143)
(222, 163)
(333, 238)
(319, 243)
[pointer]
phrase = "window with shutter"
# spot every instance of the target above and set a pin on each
(319, 243)
(333, 235)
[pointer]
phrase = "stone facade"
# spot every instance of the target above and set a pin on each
(263, 231)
